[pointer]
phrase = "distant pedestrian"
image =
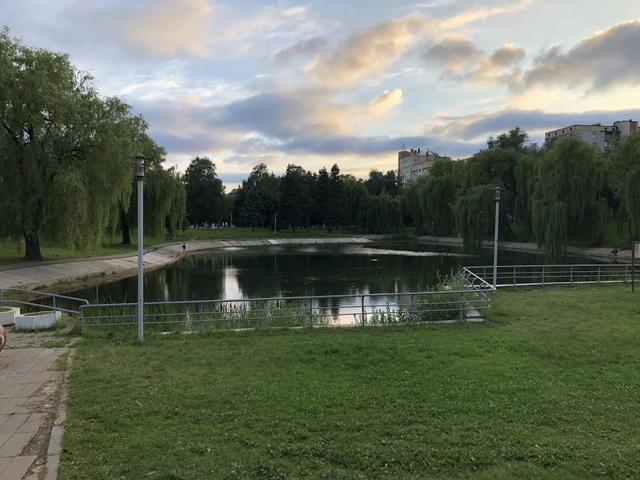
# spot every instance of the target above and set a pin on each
(184, 247)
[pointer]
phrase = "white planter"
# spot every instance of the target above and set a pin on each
(37, 320)
(8, 315)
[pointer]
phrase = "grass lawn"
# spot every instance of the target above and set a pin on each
(549, 387)
(13, 252)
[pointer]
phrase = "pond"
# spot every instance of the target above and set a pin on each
(393, 267)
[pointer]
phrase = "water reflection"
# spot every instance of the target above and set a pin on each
(390, 267)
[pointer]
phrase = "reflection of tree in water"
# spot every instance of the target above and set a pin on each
(324, 273)
(263, 272)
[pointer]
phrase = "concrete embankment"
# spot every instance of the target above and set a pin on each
(597, 253)
(96, 270)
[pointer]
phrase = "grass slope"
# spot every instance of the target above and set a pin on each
(547, 389)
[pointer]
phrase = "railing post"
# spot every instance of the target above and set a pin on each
(543, 275)
(81, 325)
(364, 313)
(1, 297)
(514, 276)
(571, 274)
(311, 312)
(461, 309)
(53, 298)
(599, 273)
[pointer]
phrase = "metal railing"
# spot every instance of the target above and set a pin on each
(540, 275)
(42, 300)
(300, 311)
(469, 291)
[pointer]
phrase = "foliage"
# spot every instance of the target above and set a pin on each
(626, 181)
(204, 193)
(475, 215)
(566, 198)
(65, 153)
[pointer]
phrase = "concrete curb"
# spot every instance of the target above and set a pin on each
(57, 430)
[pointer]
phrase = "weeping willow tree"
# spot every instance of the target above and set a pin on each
(525, 178)
(165, 201)
(475, 214)
(430, 202)
(64, 151)
(382, 214)
(566, 199)
(626, 159)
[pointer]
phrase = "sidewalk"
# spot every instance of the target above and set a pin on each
(599, 253)
(29, 395)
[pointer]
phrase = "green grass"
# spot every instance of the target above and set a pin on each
(548, 388)
(13, 252)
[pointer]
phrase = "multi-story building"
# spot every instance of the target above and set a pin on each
(414, 163)
(598, 135)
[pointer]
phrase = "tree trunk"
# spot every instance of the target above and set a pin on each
(125, 228)
(32, 242)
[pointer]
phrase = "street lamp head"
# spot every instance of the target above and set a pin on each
(139, 166)
(498, 189)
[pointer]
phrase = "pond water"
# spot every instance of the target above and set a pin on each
(237, 273)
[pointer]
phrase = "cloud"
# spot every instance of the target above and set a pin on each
(604, 60)
(373, 50)
(165, 28)
(303, 48)
(502, 66)
(384, 102)
(478, 14)
(455, 53)
(485, 124)
(367, 52)
(280, 124)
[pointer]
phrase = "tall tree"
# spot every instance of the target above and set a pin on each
(205, 192)
(626, 159)
(295, 204)
(65, 154)
(336, 200)
(566, 199)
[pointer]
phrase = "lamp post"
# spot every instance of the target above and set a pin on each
(140, 180)
(495, 239)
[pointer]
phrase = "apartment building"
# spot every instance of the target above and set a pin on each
(601, 136)
(414, 163)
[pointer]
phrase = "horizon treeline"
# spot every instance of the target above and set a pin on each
(567, 190)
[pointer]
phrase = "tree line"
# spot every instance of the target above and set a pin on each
(328, 199)
(565, 191)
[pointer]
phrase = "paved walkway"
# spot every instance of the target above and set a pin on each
(30, 381)
(48, 274)
(599, 253)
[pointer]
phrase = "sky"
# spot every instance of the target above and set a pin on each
(346, 82)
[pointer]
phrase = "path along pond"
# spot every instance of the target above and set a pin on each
(393, 267)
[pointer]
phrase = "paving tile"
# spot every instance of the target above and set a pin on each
(4, 463)
(13, 423)
(15, 444)
(18, 467)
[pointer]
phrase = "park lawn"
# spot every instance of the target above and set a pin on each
(13, 252)
(548, 388)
